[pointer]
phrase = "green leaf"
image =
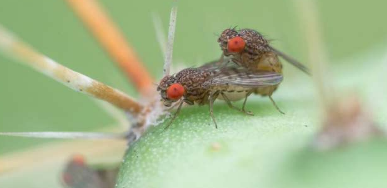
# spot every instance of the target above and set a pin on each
(266, 150)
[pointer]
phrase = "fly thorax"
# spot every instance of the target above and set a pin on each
(269, 62)
(247, 60)
(193, 80)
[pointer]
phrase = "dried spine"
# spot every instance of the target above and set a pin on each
(113, 41)
(15, 48)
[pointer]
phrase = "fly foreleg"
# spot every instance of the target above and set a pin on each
(212, 98)
(175, 114)
(173, 106)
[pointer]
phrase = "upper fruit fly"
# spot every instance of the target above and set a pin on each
(203, 85)
(249, 49)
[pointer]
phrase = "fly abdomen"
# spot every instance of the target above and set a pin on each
(265, 91)
(234, 95)
(232, 92)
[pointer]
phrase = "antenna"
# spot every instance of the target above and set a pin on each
(171, 38)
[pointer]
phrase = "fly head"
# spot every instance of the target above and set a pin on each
(236, 42)
(170, 90)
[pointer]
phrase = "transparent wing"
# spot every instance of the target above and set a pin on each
(214, 65)
(223, 62)
(292, 61)
(241, 77)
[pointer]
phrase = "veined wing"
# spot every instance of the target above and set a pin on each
(291, 61)
(245, 78)
(211, 65)
(218, 64)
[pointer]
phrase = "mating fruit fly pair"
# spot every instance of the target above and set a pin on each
(253, 67)
(248, 65)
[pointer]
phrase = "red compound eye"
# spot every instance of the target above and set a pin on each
(236, 44)
(175, 91)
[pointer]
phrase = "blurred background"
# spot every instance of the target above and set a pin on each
(31, 102)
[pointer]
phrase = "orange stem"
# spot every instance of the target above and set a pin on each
(110, 38)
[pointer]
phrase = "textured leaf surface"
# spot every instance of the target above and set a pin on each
(267, 150)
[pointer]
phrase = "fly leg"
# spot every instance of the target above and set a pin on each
(221, 59)
(234, 107)
(244, 103)
(221, 63)
(276, 105)
(175, 114)
(173, 106)
(212, 98)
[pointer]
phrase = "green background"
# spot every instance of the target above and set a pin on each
(354, 34)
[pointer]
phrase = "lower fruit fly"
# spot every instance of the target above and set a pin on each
(205, 84)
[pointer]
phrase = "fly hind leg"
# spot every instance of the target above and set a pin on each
(244, 103)
(234, 107)
(275, 105)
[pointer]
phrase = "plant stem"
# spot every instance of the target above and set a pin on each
(15, 48)
(318, 57)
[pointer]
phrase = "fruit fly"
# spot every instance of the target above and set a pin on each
(249, 49)
(205, 84)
